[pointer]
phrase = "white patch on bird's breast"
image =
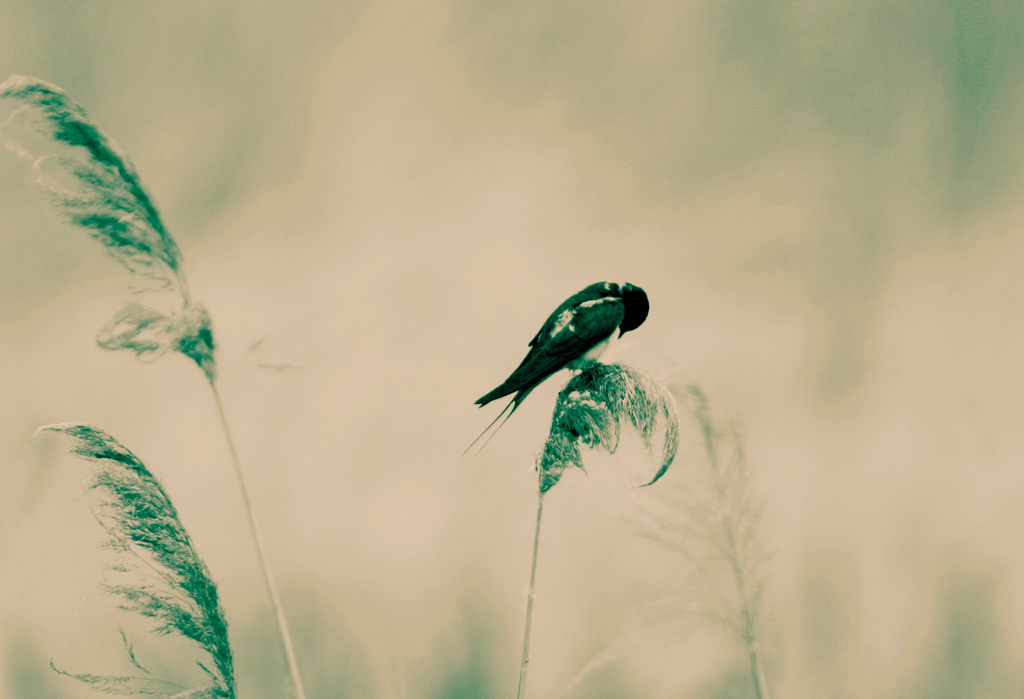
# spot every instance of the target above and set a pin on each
(595, 352)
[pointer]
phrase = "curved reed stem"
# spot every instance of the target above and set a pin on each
(757, 673)
(268, 579)
(530, 592)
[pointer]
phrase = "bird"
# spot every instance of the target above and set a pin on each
(576, 333)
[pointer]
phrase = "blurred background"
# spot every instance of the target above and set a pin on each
(380, 202)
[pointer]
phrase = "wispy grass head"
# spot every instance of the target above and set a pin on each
(590, 410)
(717, 519)
(169, 582)
(709, 519)
(93, 185)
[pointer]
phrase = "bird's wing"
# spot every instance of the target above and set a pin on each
(574, 333)
(593, 292)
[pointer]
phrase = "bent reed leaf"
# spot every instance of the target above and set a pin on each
(164, 578)
(91, 184)
(590, 410)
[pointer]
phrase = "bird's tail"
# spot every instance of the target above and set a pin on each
(495, 394)
(514, 404)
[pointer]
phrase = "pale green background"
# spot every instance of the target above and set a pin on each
(823, 201)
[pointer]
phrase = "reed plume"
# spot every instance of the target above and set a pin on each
(589, 412)
(710, 522)
(165, 580)
(93, 185)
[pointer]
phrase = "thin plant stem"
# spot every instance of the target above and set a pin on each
(757, 673)
(268, 579)
(530, 593)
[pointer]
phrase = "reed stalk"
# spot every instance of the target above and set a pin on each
(93, 185)
(261, 556)
(530, 594)
(589, 412)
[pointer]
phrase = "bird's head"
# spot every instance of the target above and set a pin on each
(637, 306)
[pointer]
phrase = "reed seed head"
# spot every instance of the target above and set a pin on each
(589, 412)
(91, 184)
(165, 578)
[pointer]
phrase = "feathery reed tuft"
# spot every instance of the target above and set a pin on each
(93, 185)
(150, 334)
(590, 409)
(169, 582)
(715, 519)
(106, 197)
(710, 521)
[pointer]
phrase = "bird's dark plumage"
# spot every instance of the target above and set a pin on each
(579, 329)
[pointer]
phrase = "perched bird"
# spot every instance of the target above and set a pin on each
(578, 332)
